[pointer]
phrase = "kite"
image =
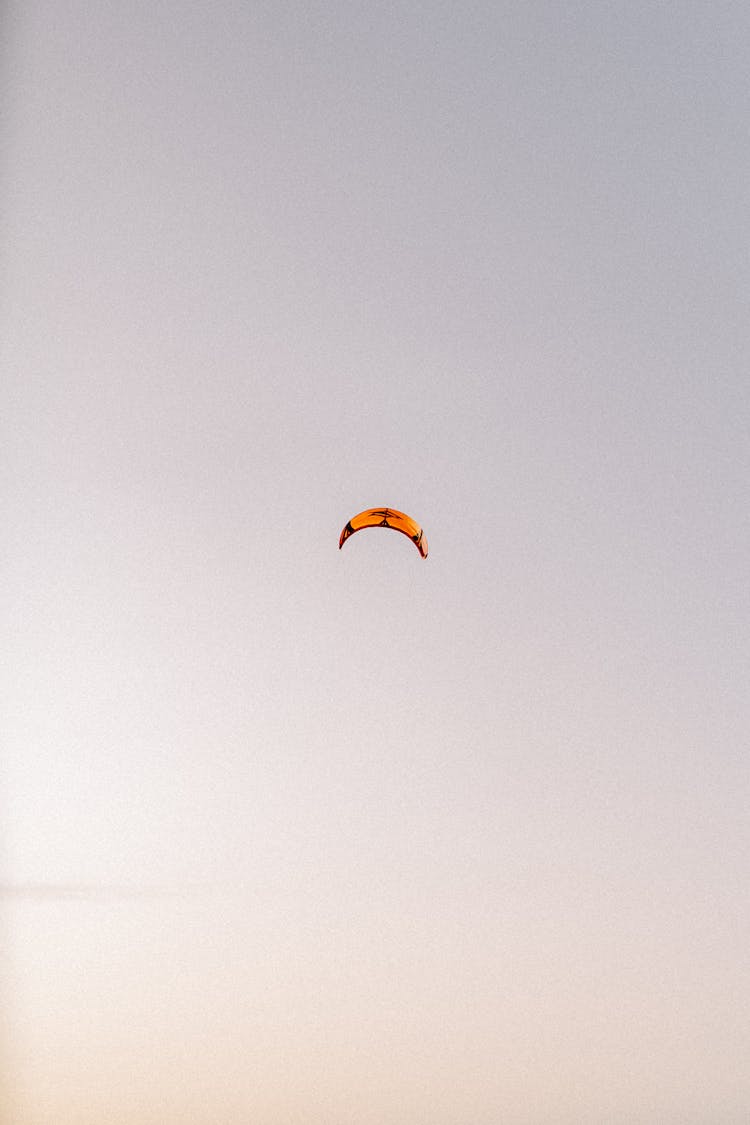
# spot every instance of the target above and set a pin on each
(387, 517)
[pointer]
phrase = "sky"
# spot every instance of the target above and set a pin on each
(295, 836)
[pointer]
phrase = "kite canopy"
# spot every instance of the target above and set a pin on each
(387, 517)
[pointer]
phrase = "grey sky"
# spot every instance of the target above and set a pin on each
(468, 837)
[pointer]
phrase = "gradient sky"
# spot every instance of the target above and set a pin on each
(294, 836)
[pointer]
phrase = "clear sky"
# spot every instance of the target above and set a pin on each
(294, 836)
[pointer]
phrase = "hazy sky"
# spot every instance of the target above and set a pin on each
(294, 836)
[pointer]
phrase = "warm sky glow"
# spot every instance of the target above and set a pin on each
(298, 835)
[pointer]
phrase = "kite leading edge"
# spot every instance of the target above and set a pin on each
(387, 517)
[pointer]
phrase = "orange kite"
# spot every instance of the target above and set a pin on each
(387, 517)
